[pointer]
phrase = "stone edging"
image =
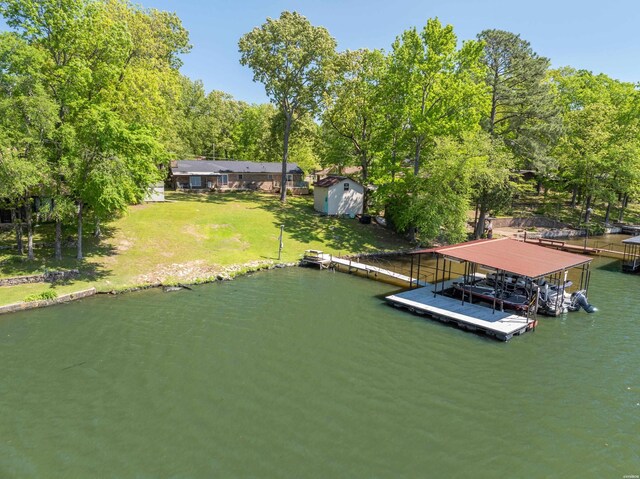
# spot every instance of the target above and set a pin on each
(25, 305)
(48, 277)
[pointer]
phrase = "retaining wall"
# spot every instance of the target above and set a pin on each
(48, 277)
(23, 306)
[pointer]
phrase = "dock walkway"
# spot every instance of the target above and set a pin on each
(325, 260)
(472, 317)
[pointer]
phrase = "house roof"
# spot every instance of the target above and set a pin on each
(217, 167)
(512, 256)
(346, 170)
(332, 180)
(632, 240)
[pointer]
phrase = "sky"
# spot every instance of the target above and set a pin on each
(595, 35)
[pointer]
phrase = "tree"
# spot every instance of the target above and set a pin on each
(434, 204)
(291, 58)
(599, 149)
(523, 113)
(108, 66)
(27, 117)
(441, 86)
(491, 168)
(353, 105)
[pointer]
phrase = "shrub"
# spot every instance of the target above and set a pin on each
(45, 295)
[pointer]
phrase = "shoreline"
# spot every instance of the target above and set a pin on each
(228, 273)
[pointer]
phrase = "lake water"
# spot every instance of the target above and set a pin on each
(300, 373)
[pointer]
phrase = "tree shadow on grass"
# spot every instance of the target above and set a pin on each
(216, 197)
(12, 264)
(305, 225)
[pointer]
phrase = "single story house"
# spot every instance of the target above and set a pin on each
(225, 175)
(338, 195)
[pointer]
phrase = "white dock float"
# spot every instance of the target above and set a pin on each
(473, 317)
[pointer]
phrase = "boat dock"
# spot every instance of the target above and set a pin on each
(324, 260)
(470, 317)
(630, 229)
(574, 248)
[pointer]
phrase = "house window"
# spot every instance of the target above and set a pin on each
(270, 177)
(239, 177)
(289, 177)
(195, 181)
(223, 180)
(346, 187)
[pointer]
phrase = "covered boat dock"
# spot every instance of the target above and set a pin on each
(495, 286)
(631, 255)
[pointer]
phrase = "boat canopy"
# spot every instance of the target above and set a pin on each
(511, 256)
(632, 240)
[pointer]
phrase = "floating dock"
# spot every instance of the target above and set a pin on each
(470, 317)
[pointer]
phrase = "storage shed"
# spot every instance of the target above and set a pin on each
(338, 195)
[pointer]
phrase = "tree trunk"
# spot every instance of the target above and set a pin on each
(587, 209)
(365, 175)
(480, 224)
(285, 158)
(80, 206)
(58, 245)
(18, 229)
(606, 216)
(574, 197)
(29, 221)
(97, 232)
(623, 205)
(538, 186)
(416, 159)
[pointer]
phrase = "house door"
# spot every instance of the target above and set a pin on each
(325, 208)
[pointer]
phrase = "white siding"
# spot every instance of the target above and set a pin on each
(155, 193)
(340, 202)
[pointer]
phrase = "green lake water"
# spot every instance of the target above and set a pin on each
(298, 373)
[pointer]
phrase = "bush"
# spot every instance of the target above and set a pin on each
(45, 295)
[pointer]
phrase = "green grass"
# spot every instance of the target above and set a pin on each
(192, 236)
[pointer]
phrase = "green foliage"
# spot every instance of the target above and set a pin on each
(438, 87)
(524, 113)
(46, 295)
(354, 105)
(599, 150)
(293, 60)
(434, 204)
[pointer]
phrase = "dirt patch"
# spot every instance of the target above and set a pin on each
(123, 245)
(194, 272)
(194, 231)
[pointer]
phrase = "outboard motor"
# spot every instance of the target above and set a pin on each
(579, 300)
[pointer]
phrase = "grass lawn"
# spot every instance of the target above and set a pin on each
(193, 236)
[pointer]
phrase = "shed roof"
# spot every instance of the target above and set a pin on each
(512, 256)
(203, 167)
(333, 180)
(632, 240)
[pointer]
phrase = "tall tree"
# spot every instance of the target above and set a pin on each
(291, 58)
(354, 102)
(599, 148)
(108, 66)
(441, 85)
(27, 115)
(523, 113)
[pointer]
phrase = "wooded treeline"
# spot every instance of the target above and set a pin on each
(93, 107)
(440, 127)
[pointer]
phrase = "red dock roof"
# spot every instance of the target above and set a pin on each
(512, 256)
